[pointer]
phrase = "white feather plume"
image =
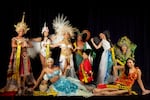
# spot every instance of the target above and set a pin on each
(62, 25)
(32, 52)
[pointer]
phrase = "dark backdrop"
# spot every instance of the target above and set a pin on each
(120, 19)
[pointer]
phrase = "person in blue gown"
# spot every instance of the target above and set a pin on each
(62, 85)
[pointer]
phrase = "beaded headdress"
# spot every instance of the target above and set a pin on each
(22, 25)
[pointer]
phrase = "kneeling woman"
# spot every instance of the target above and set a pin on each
(63, 86)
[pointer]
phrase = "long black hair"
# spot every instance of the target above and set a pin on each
(126, 66)
(107, 34)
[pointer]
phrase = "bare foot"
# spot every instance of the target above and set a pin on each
(2, 90)
(146, 92)
(19, 92)
(90, 88)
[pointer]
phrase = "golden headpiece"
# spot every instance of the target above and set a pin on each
(22, 25)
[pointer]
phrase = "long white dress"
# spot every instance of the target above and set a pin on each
(105, 63)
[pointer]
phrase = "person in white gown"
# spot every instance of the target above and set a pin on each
(106, 58)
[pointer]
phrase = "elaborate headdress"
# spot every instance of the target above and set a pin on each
(22, 25)
(61, 26)
(130, 45)
(124, 41)
(45, 28)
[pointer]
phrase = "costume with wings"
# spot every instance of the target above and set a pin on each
(61, 26)
(39, 46)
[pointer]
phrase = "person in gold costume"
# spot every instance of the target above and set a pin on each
(19, 69)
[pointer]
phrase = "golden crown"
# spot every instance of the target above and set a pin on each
(22, 25)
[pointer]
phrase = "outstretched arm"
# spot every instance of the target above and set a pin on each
(39, 79)
(55, 45)
(116, 69)
(38, 39)
(29, 44)
(140, 82)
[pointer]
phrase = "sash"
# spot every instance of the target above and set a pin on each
(47, 51)
(18, 60)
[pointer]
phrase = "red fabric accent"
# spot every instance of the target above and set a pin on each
(11, 93)
(90, 79)
(101, 86)
(87, 68)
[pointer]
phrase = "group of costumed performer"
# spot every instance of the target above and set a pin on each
(81, 44)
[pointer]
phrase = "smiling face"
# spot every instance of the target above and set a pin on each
(50, 62)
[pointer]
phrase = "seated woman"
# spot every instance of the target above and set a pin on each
(61, 85)
(123, 83)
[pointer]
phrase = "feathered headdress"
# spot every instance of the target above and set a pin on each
(45, 28)
(61, 25)
(124, 41)
(22, 25)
